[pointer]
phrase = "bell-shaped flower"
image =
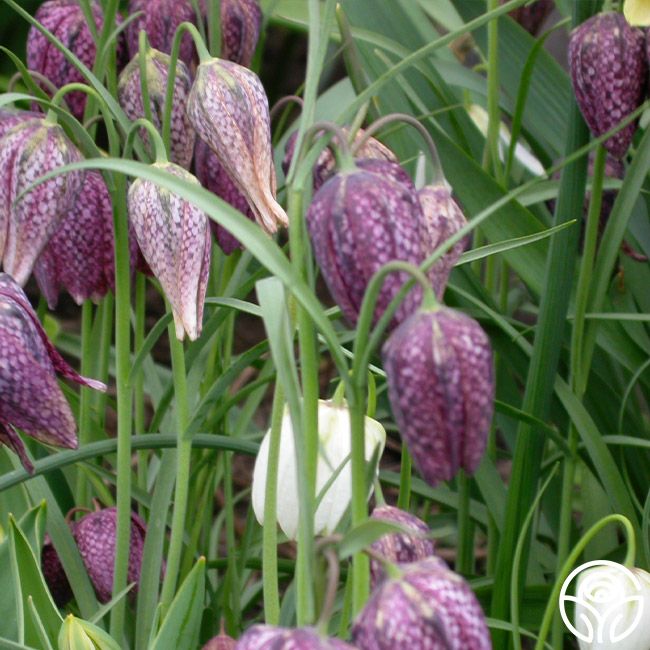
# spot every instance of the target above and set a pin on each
(30, 397)
(229, 110)
(66, 20)
(270, 637)
(27, 221)
(174, 237)
(129, 92)
(214, 177)
(611, 608)
(80, 255)
(333, 458)
(240, 29)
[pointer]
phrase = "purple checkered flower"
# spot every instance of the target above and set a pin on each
(269, 637)
(129, 92)
(174, 238)
(358, 221)
(445, 357)
(399, 548)
(240, 30)
(428, 606)
(30, 397)
(229, 110)
(66, 20)
(607, 60)
(27, 221)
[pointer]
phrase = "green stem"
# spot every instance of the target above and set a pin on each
(85, 395)
(184, 454)
(270, 529)
(551, 606)
(577, 378)
(494, 114)
(160, 150)
(465, 553)
(138, 380)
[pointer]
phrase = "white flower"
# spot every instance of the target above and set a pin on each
(612, 610)
(334, 452)
(637, 12)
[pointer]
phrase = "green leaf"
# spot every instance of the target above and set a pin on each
(180, 628)
(30, 583)
(363, 535)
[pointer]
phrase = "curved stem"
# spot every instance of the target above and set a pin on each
(159, 146)
(551, 606)
(282, 102)
(333, 574)
(377, 125)
(36, 75)
(343, 154)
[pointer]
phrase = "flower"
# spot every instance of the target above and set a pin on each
(637, 12)
(66, 20)
(129, 92)
(28, 151)
(240, 29)
(399, 547)
(446, 356)
(427, 606)
(360, 220)
(229, 110)
(334, 451)
(607, 61)
(30, 397)
(609, 608)
(269, 637)
(174, 238)
(79, 256)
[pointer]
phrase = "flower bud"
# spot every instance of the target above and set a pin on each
(30, 397)
(446, 356)
(66, 20)
(608, 68)
(609, 608)
(214, 177)
(268, 637)
(174, 238)
(399, 548)
(220, 642)
(80, 256)
(129, 92)
(325, 166)
(333, 450)
(229, 110)
(532, 16)
(28, 151)
(358, 221)
(240, 30)
(428, 606)
(160, 19)
(443, 218)
(95, 535)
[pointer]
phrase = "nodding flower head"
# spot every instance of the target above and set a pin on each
(240, 30)
(270, 637)
(229, 110)
(30, 397)
(174, 238)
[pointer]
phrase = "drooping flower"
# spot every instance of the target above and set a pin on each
(80, 257)
(30, 397)
(358, 221)
(402, 547)
(10, 118)
(446, 356)
(532, 16)
(334, 450)
(66, 20)
(160, 20)
(220, 642)
(240, 30)
(229, 110)
(427, 606)
(325, 165)
(609, 70)
(269, 637)
(443, 218)
(214, 177)
(129, 92)
(174, 238)
(28, 151)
